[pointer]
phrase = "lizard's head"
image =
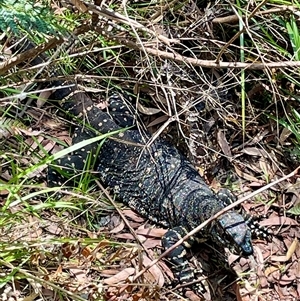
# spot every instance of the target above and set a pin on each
(231, 230)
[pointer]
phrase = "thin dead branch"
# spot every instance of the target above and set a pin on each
(232, 19)
(110, 14)
(29, 54)
(197, 62)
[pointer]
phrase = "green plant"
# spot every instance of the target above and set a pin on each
(292, 123)
(293, 32)
(20, 16)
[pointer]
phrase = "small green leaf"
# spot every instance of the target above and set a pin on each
(295, 210)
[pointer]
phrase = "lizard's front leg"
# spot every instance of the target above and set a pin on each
(181, 268)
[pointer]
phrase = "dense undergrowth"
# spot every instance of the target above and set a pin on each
(220, 80)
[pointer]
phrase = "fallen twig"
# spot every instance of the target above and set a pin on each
(234, 18)
(29, 54)
(197, 62)
(110, 14)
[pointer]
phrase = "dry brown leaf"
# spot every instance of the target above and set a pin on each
(192, 296)
(222, 141)
(285, 133)
(120, 277)
(4, 192)
(54, 228)
(49, 145)
(79, 5)
(249, 287)
(102, 244)
(292, 248)
(30, 132)
(265, 168)
(94, 90)
(287, 279)
(35, 159)
(151, 232)
(151, 243)
(58, 10)
(254, 167)
(37, 171)
(253, 151)
(155, 271)
(109, 272)
(289, 253)
(69, 249)
(148, 243)
(278, 221)
(31, 297)
(271, 269)
(147, 111)
(263, 280)
(132, 215)
(294, 188)
(232, 258)
(247, 176)
(125, 236)
(237, 291)
(58, 271)
(80, 274)
(43, 98)
(158, 120)
(119, 228)
(259, 137)
(141, 238)
(33, 144)
(86, 252)
(257, 88)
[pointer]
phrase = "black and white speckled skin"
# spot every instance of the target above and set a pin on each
(155, 180)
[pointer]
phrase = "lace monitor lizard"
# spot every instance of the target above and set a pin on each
(155, 180)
